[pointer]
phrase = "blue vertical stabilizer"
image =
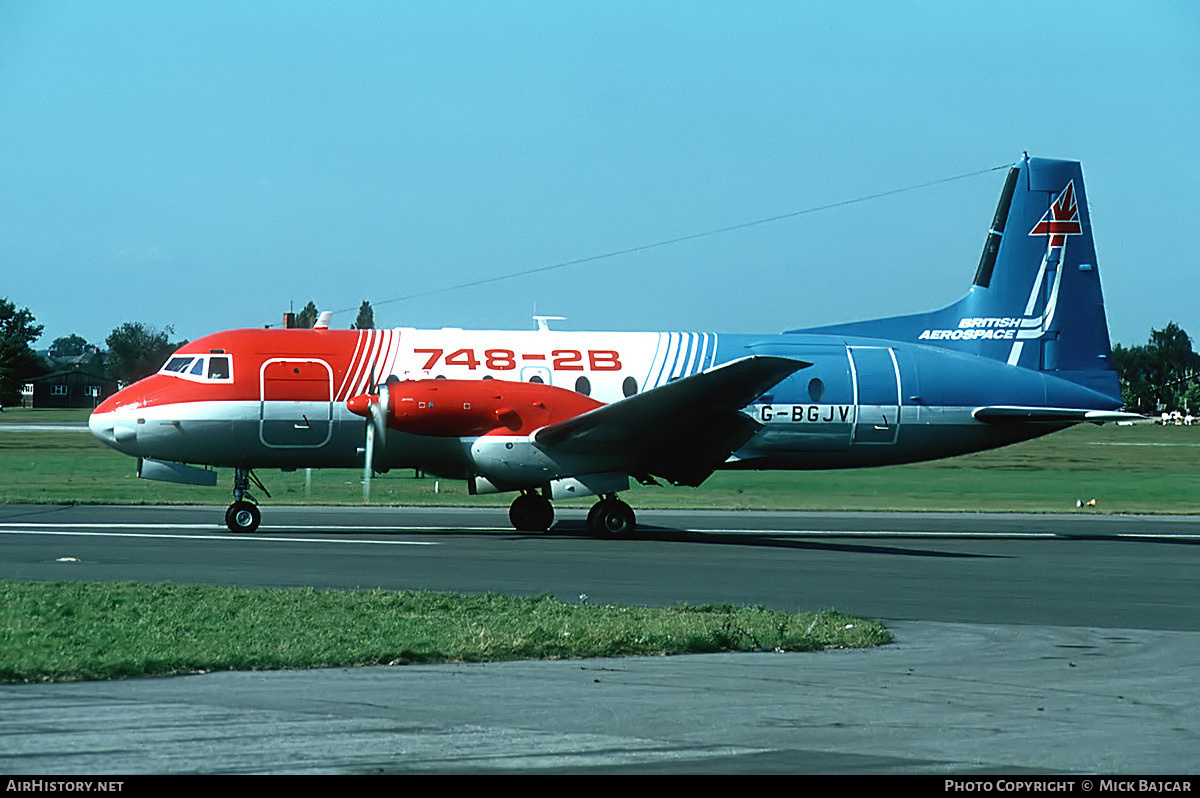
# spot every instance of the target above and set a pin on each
(1035, 301)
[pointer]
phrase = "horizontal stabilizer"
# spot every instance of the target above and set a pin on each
(1012, 414)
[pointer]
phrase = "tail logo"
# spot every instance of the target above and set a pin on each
(1061, 220)
(1058, 222)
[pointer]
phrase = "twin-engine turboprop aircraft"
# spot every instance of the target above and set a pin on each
(551, 414)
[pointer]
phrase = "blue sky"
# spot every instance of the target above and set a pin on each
(206, 165)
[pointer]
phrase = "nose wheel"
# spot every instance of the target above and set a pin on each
(242, 516)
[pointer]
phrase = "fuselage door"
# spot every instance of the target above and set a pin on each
(296, 407)
(876, 394)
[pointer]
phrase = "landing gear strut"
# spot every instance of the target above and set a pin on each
(243, 515)
(531, 512)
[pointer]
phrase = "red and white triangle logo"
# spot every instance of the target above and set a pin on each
(1061, 220)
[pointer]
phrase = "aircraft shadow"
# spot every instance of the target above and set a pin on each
(655, 534)
(761, 540)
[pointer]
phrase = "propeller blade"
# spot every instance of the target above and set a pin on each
(368, 461)
(379, 409)
(376, 428)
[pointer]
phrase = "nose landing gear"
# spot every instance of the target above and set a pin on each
(243, 515)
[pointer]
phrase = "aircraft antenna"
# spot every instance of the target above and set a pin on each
(678, 239)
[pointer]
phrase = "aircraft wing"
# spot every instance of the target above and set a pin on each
(680, 431)
(1014, 414)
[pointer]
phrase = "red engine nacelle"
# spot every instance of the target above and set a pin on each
(465, 408)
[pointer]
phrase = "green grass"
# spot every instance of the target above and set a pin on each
(58, 631)
(21, 415)
(1139, 469)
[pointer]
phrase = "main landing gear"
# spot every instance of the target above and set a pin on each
(243, 515)
(531, 512)
(609, 517)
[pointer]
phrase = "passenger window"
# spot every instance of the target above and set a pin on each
(218, 368)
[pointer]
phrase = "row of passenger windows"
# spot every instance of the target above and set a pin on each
(205, 367)
(216, 367)
(583, 385)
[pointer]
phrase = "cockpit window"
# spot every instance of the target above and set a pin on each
(218, 368)
(200, 368)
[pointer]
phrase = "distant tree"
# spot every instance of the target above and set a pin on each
(137, 350)
(68, 346)
(18, 361)
(1190, 399)
(366, 317)
(1136, 391)
(1158, 374)
(308, 316)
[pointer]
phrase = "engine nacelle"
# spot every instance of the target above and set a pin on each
(469, 408)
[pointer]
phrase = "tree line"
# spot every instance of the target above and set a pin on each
(131, 351)
(1162, 374)
(364, 321)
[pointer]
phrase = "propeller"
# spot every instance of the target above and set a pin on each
(376, 428)
(375, 407)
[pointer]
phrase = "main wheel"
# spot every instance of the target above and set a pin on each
(611, 518)
(242, 516)
(531, 513)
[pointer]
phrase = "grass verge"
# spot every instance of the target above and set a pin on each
(1141, 469)
(64, 631)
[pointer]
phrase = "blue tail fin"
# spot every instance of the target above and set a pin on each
(1036, 300)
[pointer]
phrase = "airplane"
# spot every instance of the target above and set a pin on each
(550, 414)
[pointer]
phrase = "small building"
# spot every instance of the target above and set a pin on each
(71, 388)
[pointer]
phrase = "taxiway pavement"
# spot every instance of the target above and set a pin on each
(1066, 644)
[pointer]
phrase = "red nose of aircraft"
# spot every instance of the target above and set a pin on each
(121, 420)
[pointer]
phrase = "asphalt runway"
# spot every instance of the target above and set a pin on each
(1025, 643)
